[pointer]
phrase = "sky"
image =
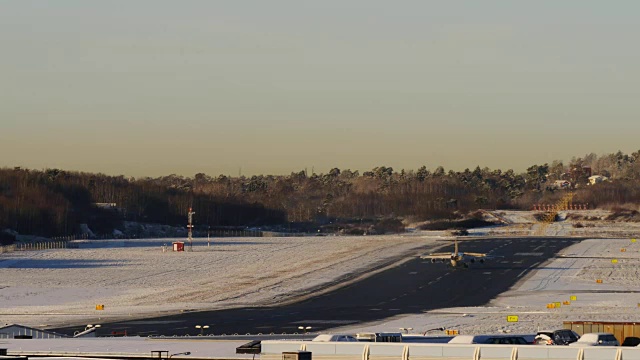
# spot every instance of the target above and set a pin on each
(152, 87)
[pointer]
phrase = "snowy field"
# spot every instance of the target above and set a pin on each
(135, 278)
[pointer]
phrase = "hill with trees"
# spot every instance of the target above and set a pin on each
(55, 202)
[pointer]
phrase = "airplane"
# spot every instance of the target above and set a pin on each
(457, 258)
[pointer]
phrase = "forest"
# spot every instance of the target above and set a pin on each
(54, 202)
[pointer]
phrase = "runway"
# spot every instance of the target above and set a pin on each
(413, 287)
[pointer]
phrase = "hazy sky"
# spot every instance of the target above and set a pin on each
(148, 88)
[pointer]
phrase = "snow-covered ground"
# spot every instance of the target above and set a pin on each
(132, 278)
(135, 278)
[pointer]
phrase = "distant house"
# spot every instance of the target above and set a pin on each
(596, 179)
(561, 184)
(14, 331)
(107, 206)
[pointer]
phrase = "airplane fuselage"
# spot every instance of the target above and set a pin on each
(456, 260)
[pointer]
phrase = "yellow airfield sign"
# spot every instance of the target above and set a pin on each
(512, 318)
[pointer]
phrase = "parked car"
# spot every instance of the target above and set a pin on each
(556, 337)
(631, 341)
(596, 339)
(489, 339)
(335, 337)
(380, 337)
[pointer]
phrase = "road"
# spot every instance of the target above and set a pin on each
(413, 287)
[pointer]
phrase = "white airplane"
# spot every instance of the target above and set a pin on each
(457, 258)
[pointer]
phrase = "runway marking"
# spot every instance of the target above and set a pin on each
(529, 254)
(487, 273)
(413, 273)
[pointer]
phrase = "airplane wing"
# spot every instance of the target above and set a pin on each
(481, 255)
(478, 255)
(436, 256)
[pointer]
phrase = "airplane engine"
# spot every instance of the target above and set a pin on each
(433, 260)
(465, 265)
(481, 261)
(444, 260)
(472, 260)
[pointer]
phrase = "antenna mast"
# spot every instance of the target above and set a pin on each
(190, 227)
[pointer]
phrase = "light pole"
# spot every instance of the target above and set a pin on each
(304, 328)
(94, 327)
(434, 329)
(182, 353)
(202, 327)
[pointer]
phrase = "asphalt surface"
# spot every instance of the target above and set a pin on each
(413, 287)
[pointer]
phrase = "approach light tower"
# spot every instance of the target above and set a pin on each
(190, 227)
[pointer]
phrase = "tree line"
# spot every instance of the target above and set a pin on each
(54, 202)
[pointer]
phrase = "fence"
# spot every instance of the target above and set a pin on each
(272, 350)
(71, 237)
(64, 242)
(251, 233)
(620, 330)
(42, 245)
(7, 248)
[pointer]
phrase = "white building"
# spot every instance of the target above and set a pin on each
(596, 179)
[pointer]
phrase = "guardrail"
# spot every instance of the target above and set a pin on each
(272, 350)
